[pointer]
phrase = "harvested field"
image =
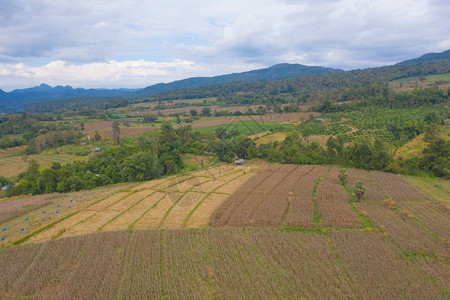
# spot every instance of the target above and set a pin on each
(11, 166)
(97, 125)
(30, 218)
(397, 187)
(332, 201)
(142, 277)
(439, 270)
(126, 219)
(301, 208)
(373, 191)
(406, 255)
(278, 194)
(403, 230)
(180, 210)
(298, 264)
(435, 217)
(267, 137)
(14, 208)
(201, 215)
(376, 269)
(147, 205)
(154, 216)
(232, 263)
(275, 205)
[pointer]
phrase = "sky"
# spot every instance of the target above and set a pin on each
(137, 43)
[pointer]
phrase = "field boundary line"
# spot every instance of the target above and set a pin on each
(50, 225)
(162, 266)
(398, 212)
(365, 220)
(183, 225)
(176, 202)
(129, 255)
(130, 227)
(432, 280)
(238, 206)
(266, 198)
(341, 267)
(130, 207)
(155, 188)
(315, 213)
(27, 269)
(84, 220)
(286, 213)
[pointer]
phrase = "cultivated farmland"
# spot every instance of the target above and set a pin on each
(283, 195)
(173, 202)
(13, 165)
(218, 263)
(257, 231)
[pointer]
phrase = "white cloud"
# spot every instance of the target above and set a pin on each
(132, 74)
(215, 36)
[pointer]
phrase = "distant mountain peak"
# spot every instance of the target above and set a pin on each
(429, 57)
(275, 72)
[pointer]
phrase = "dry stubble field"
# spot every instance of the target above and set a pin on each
(278, 231)
(175, 202)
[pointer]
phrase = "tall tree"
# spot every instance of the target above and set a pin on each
(116, 133)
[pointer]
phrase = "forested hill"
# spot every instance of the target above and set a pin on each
(341, 86)
(276, 72)
(46, 92)
(335, 86)
(429, 57)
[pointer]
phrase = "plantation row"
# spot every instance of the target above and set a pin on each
(219, 264)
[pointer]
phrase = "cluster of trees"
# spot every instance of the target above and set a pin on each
(141, 159)
(147, 159)
(365, 154)
(161, 154)
(9, 143)
(28, 123)
(53, 139)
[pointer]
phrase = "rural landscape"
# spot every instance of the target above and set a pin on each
(342, 198)
(224, 150)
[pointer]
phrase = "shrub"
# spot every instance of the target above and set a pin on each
(359, 189)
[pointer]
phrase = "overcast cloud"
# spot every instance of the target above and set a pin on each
(136, 43)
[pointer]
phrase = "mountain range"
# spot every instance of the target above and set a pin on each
(46, 92)
(16, 99)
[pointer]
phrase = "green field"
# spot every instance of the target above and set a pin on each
(246, 127)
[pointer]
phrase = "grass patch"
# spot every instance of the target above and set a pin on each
(246, 127)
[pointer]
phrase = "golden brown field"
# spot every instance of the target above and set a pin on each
(255, 231)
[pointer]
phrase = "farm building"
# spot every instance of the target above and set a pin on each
(239, 162)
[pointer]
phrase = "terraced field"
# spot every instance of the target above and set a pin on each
(277, 231)
(175, 202)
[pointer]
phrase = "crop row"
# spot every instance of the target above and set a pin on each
(280, 193)
(216, 264)
(332, 201)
